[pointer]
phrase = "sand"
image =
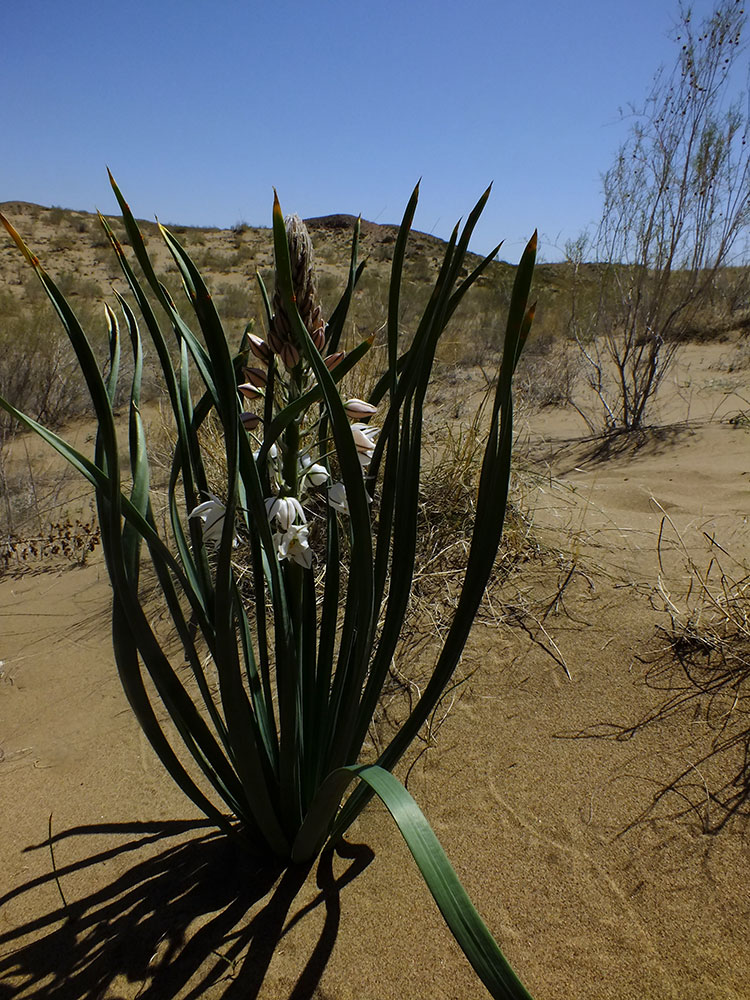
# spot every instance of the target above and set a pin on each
(601, 871)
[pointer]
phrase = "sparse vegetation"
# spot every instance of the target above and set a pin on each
(703, 665)
(676, 211)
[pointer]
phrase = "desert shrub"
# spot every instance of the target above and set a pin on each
(56, 215)
(71, 540)
(36, 369)
(676, 205)
(236, 301)
(549, 372)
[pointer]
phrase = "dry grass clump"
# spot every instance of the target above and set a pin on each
(707, 668)
(712, 618)
(700, 672)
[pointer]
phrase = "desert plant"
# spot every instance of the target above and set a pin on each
(287, 663)
(676, 209)
(713, 615)
(704, 671)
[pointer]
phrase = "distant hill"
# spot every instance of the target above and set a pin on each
(75, 251)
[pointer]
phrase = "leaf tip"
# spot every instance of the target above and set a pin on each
(16, 237)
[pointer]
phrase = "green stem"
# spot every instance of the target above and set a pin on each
(290, 462)
(288, 673)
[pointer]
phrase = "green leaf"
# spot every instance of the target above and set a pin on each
(459, 913)
(359, 612)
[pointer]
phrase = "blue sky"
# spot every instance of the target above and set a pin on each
(200, 108)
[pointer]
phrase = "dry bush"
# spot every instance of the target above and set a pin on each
(39, 375)
(676, 203)
(37, 370)
(699, 671)
(68, 541)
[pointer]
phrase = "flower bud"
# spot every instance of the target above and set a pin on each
(319, 336)
(250, 421)
(256, 377)
(260, 349)
(333, 359)
(289, 354)
(358, 409)
(249, 391)
(364, 438)
(276, 342)
(313, 472)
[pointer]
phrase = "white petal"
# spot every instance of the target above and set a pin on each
(358, 408)
(286, 511)
(316, 474)
(293, 545)
(211, 512)
(337, 498)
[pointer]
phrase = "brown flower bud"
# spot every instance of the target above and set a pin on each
(260, 349)
(256, 377)
(319, 336)
(250, 421)
(333, 359)
(289, 355)
(249, 391)
(276, 342)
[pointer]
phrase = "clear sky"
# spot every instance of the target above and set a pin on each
(200, 108)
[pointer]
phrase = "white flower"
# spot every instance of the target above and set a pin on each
(273, 453)
(293, 545)
(337, 498)
(314, 473)
(285, 511)
(211, 512)
(364, 438)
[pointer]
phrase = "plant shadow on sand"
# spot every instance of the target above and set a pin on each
(714, 786)
(568, 454)
(187, 918)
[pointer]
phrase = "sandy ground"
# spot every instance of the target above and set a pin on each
(596, 848)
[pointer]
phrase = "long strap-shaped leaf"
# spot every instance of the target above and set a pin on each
(249, 758)
(488, 527)
(359, 612)
(460, 914)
